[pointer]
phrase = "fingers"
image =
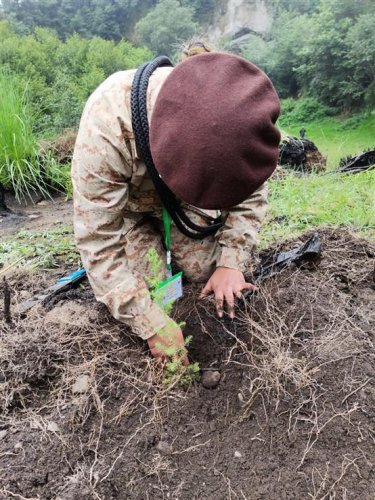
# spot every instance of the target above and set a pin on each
(219, 300)
(206, 290)
(229, 298)
(249, 286)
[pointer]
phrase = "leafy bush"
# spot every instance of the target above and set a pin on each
(23, 168)
(327, 53)
(61, 75)
(166, 26)
(19, 168)
(300, 111)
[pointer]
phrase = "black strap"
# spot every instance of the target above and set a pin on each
(141, 132)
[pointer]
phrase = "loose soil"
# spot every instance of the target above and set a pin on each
(35, 214)
(85, 414)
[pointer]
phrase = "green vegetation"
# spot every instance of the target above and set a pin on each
(110, 20)
(175, 371)
(40, 249)
(44, 84)
(61, 75)
(324, 50)
(300, 203)
(335, 137)
(23, 169)
(166, 26)
(19, 168)
(318, 48)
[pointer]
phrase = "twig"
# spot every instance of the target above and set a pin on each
(191, 448)
(356, 390)
(7, 315)
(8, 268)
(16, 495)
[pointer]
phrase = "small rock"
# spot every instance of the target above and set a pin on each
(52, 427)
(164, 448)
(210, 379)
(237, 454)
(81, 385)
(18, 446)
(240, 397)
(3, 433)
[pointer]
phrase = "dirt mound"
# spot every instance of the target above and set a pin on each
(301, 155)
(61, 147)
(85, 414)
(358, 163)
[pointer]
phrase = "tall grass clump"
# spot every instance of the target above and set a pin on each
(20, 169)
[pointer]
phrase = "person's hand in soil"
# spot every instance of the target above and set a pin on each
(227, 285)
(172, 337)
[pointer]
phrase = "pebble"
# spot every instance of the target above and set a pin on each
(81, 385)
(52, 427)
(210, 379)
(237, 454)
(18, 446)
(164, 448)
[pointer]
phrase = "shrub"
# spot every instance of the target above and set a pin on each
(19, 169)
(308, 109)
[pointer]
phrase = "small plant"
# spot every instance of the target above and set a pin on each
(19, 168)
(40, 249)
(175, 369)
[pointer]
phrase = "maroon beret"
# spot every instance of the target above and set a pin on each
(213, 137)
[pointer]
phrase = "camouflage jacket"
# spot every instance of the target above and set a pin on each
(112, 192)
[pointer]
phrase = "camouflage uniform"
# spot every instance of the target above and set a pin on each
(117, 212)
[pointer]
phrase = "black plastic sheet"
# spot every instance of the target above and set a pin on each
(274, 262)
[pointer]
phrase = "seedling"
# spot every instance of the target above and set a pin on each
(175, 369)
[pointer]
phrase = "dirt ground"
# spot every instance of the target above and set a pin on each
(35, 214)
(85, 415)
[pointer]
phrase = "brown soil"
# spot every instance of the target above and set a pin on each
(85, 414)
(35, 214)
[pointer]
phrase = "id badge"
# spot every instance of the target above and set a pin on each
(169, 290)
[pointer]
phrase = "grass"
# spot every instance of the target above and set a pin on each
(19, 166)
(40, 249)
(337, 137)
(300, 203)
(22, 168)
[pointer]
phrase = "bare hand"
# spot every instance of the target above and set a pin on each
(227, 285)
(170, 340)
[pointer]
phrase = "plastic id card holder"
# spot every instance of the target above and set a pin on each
(169, 290)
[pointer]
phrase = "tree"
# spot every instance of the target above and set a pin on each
(328, 54)
(360, 60)
(110, 20)
(166, 26)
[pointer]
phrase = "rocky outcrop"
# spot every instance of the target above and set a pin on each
(235, 20)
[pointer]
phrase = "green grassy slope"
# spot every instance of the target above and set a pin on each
(299, 203)
(334, 139)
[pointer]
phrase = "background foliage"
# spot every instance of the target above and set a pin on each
(60, 75)
(322, 49)
(320, 54)
(319, 48)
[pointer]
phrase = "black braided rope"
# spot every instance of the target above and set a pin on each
(141, 132)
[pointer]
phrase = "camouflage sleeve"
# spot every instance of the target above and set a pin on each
(239, 235)
(101, 169)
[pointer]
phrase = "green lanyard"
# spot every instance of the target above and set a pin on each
(167, 222)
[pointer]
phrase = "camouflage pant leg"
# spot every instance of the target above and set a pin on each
(196, 258)
(142, 237)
